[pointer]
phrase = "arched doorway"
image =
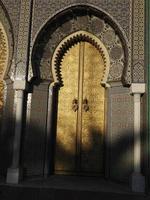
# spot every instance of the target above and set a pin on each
(80, 118)
(48, 55)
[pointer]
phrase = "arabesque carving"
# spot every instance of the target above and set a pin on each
(7, 32)
(138, 42)
(71, 40)
(82, 27)
(3, 62)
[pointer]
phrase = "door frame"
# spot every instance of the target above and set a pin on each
(56, 61)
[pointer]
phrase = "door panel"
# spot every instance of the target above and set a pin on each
(92, 119)
(80, 133)
(67, 118)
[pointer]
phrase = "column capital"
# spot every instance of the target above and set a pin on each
(137, 88)
(20, 85)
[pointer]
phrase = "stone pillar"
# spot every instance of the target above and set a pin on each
(137, 179)
(14, 172)
(48, 159)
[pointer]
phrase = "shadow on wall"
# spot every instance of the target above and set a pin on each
(89, 160)
(116, 158)
(6, 131)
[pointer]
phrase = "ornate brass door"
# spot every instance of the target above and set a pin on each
(80, 120)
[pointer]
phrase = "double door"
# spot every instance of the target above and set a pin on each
(79, 145)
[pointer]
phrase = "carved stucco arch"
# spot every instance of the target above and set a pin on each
(71, 40)
(4, 52)
(7, 41)
(88, 6)
(4, 55)
(49, 38)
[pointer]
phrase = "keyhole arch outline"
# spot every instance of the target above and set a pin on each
(67, 43)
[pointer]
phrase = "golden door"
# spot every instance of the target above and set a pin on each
(80, 119)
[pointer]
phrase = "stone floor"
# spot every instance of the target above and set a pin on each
(68, 188)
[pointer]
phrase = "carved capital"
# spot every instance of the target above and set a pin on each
(137, 88)
(20, 85)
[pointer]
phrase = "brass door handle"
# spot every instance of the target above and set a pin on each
(85, 105)
(75, 105)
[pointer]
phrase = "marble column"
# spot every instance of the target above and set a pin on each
(14, 173)
(137, 179)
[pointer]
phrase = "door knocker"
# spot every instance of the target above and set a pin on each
(85, 105)
(75, 105)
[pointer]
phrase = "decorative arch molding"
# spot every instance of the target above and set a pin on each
(6, 43)
(4, 51)
(70, 21)
(6, 56)
(70, 41)
(82, 5)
